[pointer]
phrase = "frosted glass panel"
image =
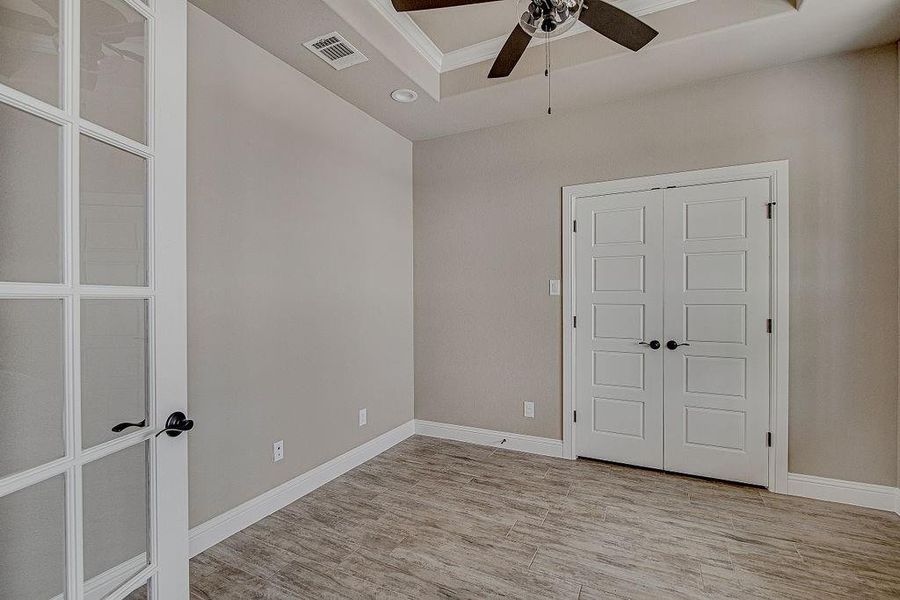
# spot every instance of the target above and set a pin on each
(29, 48)
(33, 542)
(31, 383)
(113, 215)
(116, 491)
(30, 198)
(114, 67)
(113, 367)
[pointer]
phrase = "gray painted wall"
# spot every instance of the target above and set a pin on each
(487, 238)
(299, 271)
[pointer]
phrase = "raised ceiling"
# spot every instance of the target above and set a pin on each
(455, 28)
(458, 37)
(441, 54)
(452, 29)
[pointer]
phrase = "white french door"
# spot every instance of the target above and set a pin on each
(93, 504)
(671, 344)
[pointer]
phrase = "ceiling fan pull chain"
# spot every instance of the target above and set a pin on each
(549, 79)
(547, 57)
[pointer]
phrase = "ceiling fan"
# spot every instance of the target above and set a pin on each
(551, 18)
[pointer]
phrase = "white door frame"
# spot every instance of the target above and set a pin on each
(777, 174)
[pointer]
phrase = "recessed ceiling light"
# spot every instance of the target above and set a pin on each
(404, 96)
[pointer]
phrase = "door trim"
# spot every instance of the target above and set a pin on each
(779, 271)
(170, 256)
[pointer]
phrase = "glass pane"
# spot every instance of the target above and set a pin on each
(30, 198)
(113, 215)
(113, 67)
(32, 359)
(116, 492)
(33, 542)
(29, 48)
(142, 593)
(113, 367)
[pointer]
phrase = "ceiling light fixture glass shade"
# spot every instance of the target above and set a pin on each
(549, 18)
(404, 96)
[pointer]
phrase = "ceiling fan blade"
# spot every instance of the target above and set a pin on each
(407, 5)
(512, 51)
(617, 25)
(21, 21)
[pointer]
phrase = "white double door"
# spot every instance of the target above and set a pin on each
(672, 348)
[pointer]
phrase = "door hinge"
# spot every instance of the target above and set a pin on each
(769, 439)
(575, 416)
(575, 322)
(768, 325)
(770, 209)
(574, 226)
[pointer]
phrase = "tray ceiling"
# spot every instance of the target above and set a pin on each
(699, 40)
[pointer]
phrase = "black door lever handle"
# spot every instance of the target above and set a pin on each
(654, 345)
(123, 426)
(176, 424)
(673, 345)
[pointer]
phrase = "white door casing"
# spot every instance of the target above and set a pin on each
(619, 300)
(775, 356)
(717, 302)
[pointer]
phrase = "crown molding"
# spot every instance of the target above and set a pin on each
(443, 62)
(412, 33)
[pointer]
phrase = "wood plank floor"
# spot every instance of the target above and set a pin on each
(437, 519)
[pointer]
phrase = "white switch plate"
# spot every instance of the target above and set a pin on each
(278, 451)
(363, 418)
(554, 287)
(529, 410)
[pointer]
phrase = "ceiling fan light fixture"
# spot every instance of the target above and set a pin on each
(549, 18)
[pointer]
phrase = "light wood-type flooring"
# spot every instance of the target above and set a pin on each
(432, 518)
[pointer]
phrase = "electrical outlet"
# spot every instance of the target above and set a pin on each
(529, 410)
(278, 451)
(363, 418)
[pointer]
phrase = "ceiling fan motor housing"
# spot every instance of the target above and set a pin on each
(549, 18)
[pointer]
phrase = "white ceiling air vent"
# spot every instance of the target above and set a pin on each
(336, 51)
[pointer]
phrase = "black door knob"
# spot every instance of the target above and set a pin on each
(673, 345)
(176, 424)
(654, 345)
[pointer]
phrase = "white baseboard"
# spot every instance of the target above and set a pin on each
(487, 437)
(881, 497)
(215, 530)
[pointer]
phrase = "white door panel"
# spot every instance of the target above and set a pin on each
(619, 304)
(717, 301)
